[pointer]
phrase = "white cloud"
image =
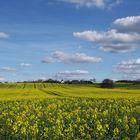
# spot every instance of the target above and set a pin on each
(129, 68)
(3, 35)
(131, 62)
(43, 78)
(62, 57)
(108, 37)
(73, 73)
(111, 41)
(76, 74)
(93, 3)
(2, 79)
(115, 40)
(128, 24)
(7, 69)
(118, 48)
(25, 65)
(87, 3)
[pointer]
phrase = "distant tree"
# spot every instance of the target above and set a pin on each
(85, 82)
(75, 81)
(39, 81)
(78, 82)
(68, 82)
(51, 81)
(107, 83)
(93, 80)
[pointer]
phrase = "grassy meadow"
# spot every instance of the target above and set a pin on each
(37, 111)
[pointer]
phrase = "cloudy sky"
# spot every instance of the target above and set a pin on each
(69, 39)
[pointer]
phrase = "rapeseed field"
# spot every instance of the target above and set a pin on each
(62, 112)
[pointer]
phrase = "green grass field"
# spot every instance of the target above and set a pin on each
(12, 91)
(43, 111)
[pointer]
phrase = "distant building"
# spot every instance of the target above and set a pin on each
(62, 81)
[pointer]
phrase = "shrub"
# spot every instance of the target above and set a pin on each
(107, 83)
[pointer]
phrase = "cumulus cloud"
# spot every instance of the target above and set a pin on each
(93, 3)
(128, 24)
(25, 65)
(76, 74)
(130, 68)
(62, 57)
(3, 35)
(108, 37)
(115, 40)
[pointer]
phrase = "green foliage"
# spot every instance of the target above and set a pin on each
(70, 118)
(107, 83)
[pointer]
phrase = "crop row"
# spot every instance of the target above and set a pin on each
(27, 85)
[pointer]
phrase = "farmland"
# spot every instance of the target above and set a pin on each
(50, 90)
(61, 111)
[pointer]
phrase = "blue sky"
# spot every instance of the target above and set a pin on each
(69, 39)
